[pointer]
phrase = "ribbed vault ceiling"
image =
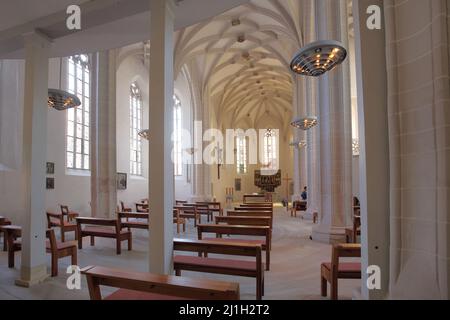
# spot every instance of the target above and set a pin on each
(243, 57)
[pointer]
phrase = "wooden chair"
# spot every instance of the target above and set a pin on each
(103, 228)
(123, 208)
(142, 208)
(331, 272)
(59, 250)
(71, 215)
(12, 233)
(189, 212)
(206, 264)
(147, 286)
(225, 230)
(4, 222)
(178, 220)
(351, 234)
(56, 220)
(298, 206)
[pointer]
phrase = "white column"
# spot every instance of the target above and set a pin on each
(298, 110)
(161, 128)
(103, 139)
(374, 153)
(34, 260)
(335, 131)
(312, 136)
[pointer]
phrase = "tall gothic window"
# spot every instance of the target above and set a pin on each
(135, 128)
(177, 141)
(270, 149)
(241, 155)
(77, 149)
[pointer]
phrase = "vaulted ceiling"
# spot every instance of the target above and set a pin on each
(243, 59)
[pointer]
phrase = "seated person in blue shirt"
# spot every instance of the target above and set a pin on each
(304, 194)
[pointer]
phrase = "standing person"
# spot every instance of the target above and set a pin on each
(304, 194)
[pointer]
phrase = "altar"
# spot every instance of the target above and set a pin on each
(267, 183)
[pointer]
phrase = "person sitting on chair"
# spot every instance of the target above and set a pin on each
(304, 194)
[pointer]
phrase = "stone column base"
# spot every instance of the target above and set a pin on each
(328, 234)
(32, 276)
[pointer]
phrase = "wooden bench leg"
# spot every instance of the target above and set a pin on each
(334, 289)
(92, 241)
(130, 243)
(118, 246)
(10, 258)
(178, 228)
(80, 242)
(54, 265)
(267, 259)
(74, 257)
(258, 289)
(178, 272)
(5, 247)
(184, 226)
(323, 286)
(63, 235)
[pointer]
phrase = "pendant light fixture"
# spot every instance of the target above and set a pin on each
(318, 58)
(305, 123)
(59, 99)
(145, 134)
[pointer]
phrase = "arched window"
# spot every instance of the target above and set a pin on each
(135, 128)
(78, 126)
(241, 155)
(270, 149)
(177, 141)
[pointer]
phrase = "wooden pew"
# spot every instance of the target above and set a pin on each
(4, 222)
(147, 286)
(144, 225)
(103, 228)
(203, 209)
(253, 209)
(260, 213)
(59, 250)
(351, 234)
(244, 221)
(220, 230)
(213, 207)
(178, 220)
(188, 212)
(56, 220)
(261, 197)
(331, 272)
(257, 204)
(254, 269)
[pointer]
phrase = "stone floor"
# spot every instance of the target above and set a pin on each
(294, 275)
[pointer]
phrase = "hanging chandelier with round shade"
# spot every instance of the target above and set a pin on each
(305, 123)
(62, 100)
(145, 134)
(318, 58)
(298, 144)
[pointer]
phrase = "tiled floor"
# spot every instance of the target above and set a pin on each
(294, 275)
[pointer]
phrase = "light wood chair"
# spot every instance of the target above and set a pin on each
(331, 272)
(60, 250)
(178, 220)
(71, 215)
(56, 220)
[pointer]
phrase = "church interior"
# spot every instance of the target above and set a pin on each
(182, 149)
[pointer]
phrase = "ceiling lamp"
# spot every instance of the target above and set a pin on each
(144, 134)
(235, 22)
(319, 57)
(62, 100)
(305, 123)
(298, 144)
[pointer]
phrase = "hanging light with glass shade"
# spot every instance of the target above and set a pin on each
(144, 134)
(318, 58)
(62, 100)
(305, 123)
(298, 144)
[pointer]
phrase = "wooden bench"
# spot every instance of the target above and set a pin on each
(59, 250)
(261, 197)
(257, 204)
(147, 286)
(213, 207)
(258, 231)
(56, 220)
(188, 212)
(351, 234)
(298, 206)
(4, 222)
(244, 221)
(253, 209)
(142, 208)
(331, 272)
(206, 264)
(103, 228)
(259, 213)
(123, 208)
(136, 224)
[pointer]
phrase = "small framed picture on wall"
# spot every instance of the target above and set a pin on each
(121, 181)
(50, 168)
(237, 185)
(50, 183)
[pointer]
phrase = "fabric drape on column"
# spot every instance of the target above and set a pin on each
(417, 36)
